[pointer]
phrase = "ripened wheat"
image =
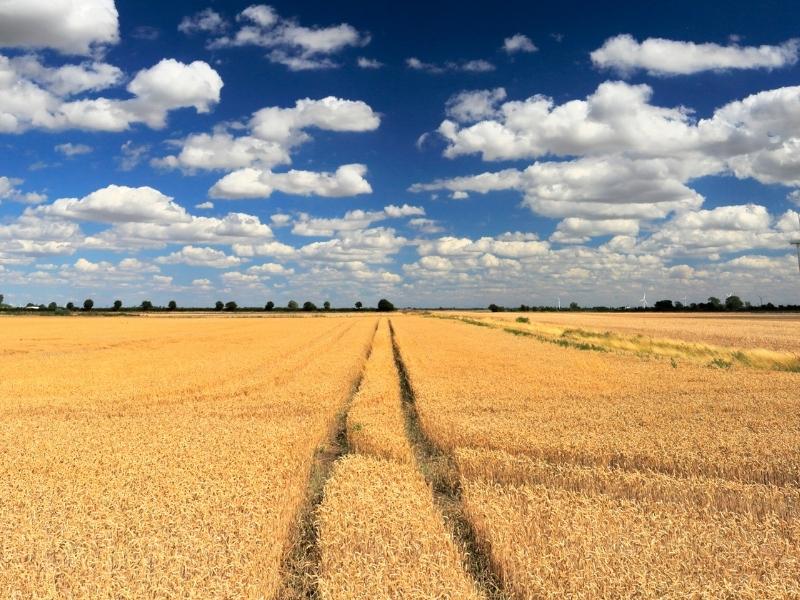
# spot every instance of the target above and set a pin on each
(170, 457)
(479, 387)
(381, 536)
(774, 332)
(375, 423)
(601, 475)
(552, 543)
(148, 458)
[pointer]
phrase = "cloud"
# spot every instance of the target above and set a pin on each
(354, 220)
(660, 56)
(205, 205)
(368, 63)
(203, 284)
(518, 43)
(207, 21)
(276, 249)
(274, 133)
(406, 210)
(375, 245)
(70, 149)
(347, 180)
(10, 191)
(468, 66)
(425, 225)
(221, 150)
(268, 269)
(574, 230)
(237, 279)
(472, 106)
(622, 157)
(168, 85)
(67, 80)
(233, 228)
(132, 155)
(722, 230)
(172, 84)
(286, 125)
(280, 220)
(64, 25)
(293, 45)
(118, 204)
(200, 257)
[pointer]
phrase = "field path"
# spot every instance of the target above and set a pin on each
(388, 527)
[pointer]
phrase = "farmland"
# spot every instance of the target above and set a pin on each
(406, 456)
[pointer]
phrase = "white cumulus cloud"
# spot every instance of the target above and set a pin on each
(660, 56)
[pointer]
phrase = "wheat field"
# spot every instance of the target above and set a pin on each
(454, 457)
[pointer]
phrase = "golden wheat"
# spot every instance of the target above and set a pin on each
(599, 475)
(170, 457)
(154, 458)
(479, 387)
(553, 543)
(375, 423)
(380, 534)
(382, 537)
(775, 332)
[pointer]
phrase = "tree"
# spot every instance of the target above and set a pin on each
(70, 306)
(117, 304)
(494, 308)
(219, 305)
(574, 306)
(664, 305)
(269, 305)
(385, 306)
(231, 306)
(359, 304)
(714, 302)
(2, 298)
(326, 305)
(172, 305)
(292, 305)
(52, 307)
(88, 304)
(147, 305)
(309, 306)
(733, 303)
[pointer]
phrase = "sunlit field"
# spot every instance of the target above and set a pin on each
(443, 455)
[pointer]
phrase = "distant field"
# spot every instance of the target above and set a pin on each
(367, 456)
(766, 341)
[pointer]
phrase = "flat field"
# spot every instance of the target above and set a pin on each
(403, 456)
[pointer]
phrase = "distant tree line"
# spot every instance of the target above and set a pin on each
(88, 306)
(732, 303)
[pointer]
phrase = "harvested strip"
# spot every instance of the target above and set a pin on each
(758, 500)
(560, 544)
(382, 537)
(375, 423)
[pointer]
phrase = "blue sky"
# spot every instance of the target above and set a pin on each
(453, 154)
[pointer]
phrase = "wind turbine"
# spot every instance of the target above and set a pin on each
(559, 303)
(796, 244)
(644, 299)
